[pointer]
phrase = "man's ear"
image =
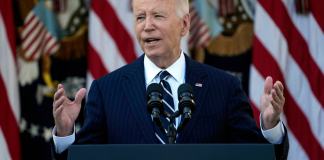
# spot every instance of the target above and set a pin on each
(185, 24)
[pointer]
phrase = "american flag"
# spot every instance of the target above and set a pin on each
(39, 33)
(200, 35)
(112, 41)
(290, 47)
(9, 95)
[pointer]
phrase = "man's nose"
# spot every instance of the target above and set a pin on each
(149, 25)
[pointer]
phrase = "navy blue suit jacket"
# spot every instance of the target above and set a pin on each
(116, 110)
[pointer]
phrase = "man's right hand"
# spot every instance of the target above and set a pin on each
(65, 111)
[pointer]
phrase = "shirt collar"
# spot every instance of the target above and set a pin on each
(177, 69)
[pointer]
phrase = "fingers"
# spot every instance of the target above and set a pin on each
(57, 110)
(80, 95)
(59, 98)
(276, 103)
(59, 86)
(272, 102)
(60, 91)
(279, 89)
(58, 102)
(268, 85)
(280, 85)
(275, 95)
(278, 97)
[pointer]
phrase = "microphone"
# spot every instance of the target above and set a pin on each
(154, 101)
(186, 101)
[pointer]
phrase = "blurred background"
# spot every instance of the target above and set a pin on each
(46, 42)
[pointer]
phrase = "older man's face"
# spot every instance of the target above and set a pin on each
(158, 28)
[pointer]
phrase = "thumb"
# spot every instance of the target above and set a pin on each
(80, 95)
(268, 85)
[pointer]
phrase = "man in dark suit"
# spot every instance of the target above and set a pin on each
(116, 109)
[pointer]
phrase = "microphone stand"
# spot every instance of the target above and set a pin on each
(185, 119)
(172, 131)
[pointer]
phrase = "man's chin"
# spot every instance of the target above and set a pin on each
(153, 53)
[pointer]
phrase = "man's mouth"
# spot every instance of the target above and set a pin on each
(151, 40)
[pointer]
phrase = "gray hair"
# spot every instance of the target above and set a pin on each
(182, 7)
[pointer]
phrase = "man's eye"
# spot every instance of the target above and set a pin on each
(158, 16)
(139, 18)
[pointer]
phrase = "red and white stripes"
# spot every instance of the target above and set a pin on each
(9, 101)
(112, 42)
(289, 47)
(199, 36)
(36, 39)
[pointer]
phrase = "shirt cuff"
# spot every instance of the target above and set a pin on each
(274, 135)
(62, 143)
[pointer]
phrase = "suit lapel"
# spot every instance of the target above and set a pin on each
(196, 76)
(134, 86)
(135, 89)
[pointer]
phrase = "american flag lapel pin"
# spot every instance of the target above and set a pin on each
(198, 84)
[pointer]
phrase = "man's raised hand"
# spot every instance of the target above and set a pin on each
(65, 111)
(272, 102)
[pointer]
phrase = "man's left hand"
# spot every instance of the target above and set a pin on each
(272, 102)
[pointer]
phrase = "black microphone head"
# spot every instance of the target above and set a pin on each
(154, 87)
(154, 98)
(184, 88)
(186, 98)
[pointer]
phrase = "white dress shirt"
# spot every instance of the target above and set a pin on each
(177, 72)
(176, 78)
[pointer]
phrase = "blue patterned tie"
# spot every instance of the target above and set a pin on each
(167, 103)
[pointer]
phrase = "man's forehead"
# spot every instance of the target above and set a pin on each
(139, 3)
(152, 5)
